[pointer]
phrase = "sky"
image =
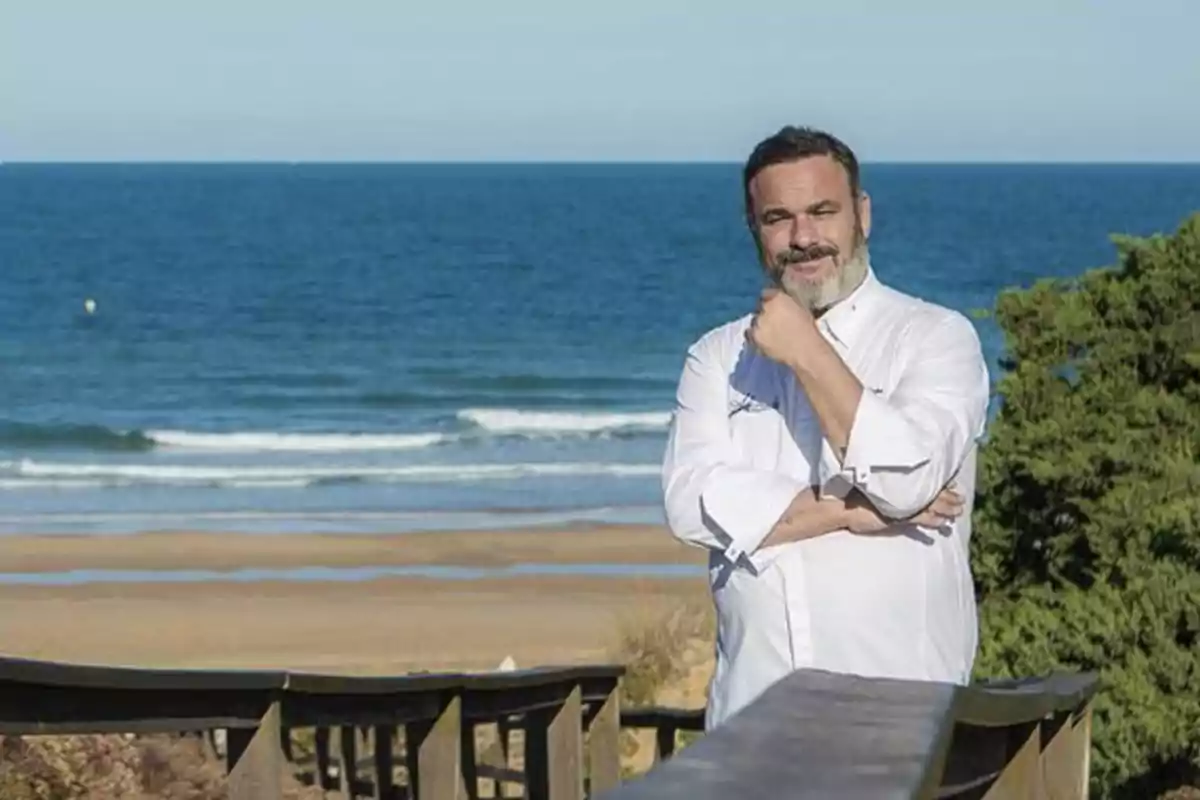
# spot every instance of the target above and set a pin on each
(623, 80)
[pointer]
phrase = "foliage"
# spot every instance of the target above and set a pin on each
(1087, 521)
(69, 768)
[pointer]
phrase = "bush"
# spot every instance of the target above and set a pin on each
(117, 767)
(69, 768)
(1087, 542)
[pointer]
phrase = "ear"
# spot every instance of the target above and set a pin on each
(864, 214)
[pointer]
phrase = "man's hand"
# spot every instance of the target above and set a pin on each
(779, 326)
(864, 518)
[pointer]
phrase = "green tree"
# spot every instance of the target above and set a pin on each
(1087, 543)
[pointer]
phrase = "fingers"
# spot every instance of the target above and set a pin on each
(928, 519)
(764, 297)
(948, 504)
(945, 508)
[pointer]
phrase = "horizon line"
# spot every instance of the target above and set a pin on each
(569, 162)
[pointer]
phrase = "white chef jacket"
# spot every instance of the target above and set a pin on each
(744, 440)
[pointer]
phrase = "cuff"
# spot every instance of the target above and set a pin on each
(880, 438)
(745, 507)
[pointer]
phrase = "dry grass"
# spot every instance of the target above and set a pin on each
(1182, 793)
(660, 648)
(116, 767)
(668, 655)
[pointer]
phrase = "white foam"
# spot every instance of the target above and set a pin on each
(294, 442)
(518, 421)
(73, 475)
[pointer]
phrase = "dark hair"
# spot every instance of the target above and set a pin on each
(793, 143)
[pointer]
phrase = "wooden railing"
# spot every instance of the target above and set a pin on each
(817, 734)
(813, 734)
(435, 715)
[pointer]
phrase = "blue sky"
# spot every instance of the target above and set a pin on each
(618, 80)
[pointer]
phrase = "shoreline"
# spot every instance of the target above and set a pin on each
(287, 523)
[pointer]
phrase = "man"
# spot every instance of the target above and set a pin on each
(823, 449)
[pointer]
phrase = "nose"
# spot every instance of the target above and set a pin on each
(804, 232)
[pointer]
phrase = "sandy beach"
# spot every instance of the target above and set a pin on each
(385, 625)
(612, 544)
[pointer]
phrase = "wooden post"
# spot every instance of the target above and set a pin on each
(385, 787)
(285, 745)
(434, 755)
(254, 759)
(321, 758)
(554, 751)
(347, 760)
(604, 745)
(1022, 775)
(664, 740)
(470, 759)
(504, 729)
(1065, 759)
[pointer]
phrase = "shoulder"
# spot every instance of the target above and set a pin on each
(724, 343)
(929, 324)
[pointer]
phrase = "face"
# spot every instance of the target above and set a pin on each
(811, 231)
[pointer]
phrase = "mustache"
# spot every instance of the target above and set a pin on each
(802, 255)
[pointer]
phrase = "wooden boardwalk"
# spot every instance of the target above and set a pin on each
(814, 734)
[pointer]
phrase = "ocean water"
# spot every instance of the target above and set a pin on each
(398, 347)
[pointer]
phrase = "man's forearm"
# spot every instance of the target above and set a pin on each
(831, 388)
(807, 517)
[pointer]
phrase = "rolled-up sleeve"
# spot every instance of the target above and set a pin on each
(905, 448)
(713, 498)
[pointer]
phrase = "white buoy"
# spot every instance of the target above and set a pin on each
(89, 306)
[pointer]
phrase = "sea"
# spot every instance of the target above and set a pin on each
(398, 347)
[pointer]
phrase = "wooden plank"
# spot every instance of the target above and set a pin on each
(554, 751)
(256, 762)
(87, 676)
(815, 734)
(1012, 702)
(63, 710)
(1021, 778)
(1065, 759)
(51, 673)
(434, 754)
(604, 745)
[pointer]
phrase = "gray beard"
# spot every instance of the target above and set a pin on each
(817, 297)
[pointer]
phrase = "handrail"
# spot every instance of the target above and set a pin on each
(56, 673)
(255, 708)
(821, 734)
